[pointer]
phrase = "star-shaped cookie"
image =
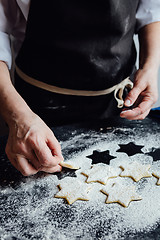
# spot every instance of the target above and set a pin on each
(101, 173)
(69, 164)
(73, 189)
(135, 170)
(130, 149)
(101, 157)
(118, 193)
(157, 175)
(155, 153)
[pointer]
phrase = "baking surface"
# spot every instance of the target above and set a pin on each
(28, 209)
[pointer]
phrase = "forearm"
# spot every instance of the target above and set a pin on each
(31, 145)
(12, 106)
(145, 91)
(149, 39)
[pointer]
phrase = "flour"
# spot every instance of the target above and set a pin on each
(72, 189)
(101, 173)
(29, 211)
(135, 170)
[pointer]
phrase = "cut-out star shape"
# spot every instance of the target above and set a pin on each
(73, 189)
(101, 173)
(155, 153)
(101, 157)
(118, 193)
(135, 170)
(66, 172)
(130, 149)
(157, 175)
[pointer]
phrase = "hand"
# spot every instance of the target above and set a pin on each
(143, 95)
(32, 146)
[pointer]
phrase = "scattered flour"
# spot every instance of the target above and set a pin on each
(101, 173)
(29, 211)
(72, 189)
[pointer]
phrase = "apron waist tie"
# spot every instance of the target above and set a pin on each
(118, 89)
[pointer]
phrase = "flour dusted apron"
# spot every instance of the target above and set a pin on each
(77, 47)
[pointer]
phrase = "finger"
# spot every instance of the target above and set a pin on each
(11, 156)
(57, 168)
(24, 166)
(143, 107)
(142, 116)
(134, 116)
(55, 147)
(17, 162)
(45, 156)
(133, 95)
(24, 150)
(31, 156)
(14, 163)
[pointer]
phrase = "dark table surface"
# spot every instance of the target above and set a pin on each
(27, 207)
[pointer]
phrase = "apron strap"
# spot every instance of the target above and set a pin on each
(118, 89)
(126, 83)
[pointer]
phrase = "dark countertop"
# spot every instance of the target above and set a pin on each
(27, 207)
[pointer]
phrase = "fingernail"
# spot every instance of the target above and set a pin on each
(125, 111)
(128, 103)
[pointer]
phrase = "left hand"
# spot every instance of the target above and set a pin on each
(143, 95)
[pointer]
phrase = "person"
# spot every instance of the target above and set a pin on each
(72, 60)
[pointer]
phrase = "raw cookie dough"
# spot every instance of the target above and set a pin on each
(135, 170)
(157, 175)
(118, 193)
(73, 189)
(69, 165)
(101, 173)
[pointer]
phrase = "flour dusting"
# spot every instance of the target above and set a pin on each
(30, 211)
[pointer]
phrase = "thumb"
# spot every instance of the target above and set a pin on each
(133, 95)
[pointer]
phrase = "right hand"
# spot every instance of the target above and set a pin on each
(32, 146)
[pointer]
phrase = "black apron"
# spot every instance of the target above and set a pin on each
(80, 45)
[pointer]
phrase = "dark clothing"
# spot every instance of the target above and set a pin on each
(57, 109)
(83, 45)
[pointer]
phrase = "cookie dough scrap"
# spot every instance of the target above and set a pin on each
(135, 170)
(73, 189)
(101, 173)
(69, 165)
(157, 175)
(118, 193)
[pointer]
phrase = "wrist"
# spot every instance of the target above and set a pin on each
(14, 108)
(149, 64)
(21, 122)
(20, 115)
